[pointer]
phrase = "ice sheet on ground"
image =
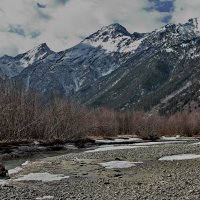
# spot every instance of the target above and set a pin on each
(118, 164)
(26, 163)
(197, 143)
(180, 157)
(17, 169)
(132, 146)
(156, 143)
(14, 171)
(178, 137)
(45, 177)
(171, 138)
(118, 140)
(111, 147)
(44, 197)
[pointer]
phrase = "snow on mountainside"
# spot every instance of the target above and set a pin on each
(115, 38)
(34, 55)
(12, 66)
(115, 68)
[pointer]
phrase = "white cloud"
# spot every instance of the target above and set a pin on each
(185, 9)
(62, 23)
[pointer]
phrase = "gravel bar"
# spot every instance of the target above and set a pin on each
(149, 179)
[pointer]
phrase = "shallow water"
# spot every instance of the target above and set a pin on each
(13, 163)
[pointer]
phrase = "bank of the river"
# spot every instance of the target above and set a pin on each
(9, 151)
(85, 177)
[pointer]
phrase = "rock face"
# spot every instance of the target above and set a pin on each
(3, 171)
(12, 66)
(112, 67)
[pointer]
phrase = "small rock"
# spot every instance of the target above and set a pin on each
(117, 175)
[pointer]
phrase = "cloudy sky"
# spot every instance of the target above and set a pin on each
(63, 23)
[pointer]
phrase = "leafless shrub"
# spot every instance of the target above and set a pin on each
(186, 124)
(104, 123)
(24, 118)
(149, 128)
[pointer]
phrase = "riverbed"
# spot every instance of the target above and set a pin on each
(134, 171)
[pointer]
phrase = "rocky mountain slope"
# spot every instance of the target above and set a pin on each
(112, 67)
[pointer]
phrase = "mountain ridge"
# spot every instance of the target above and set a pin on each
(117, 69)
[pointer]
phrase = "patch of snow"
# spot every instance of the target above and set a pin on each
(45, 177)
(166, 99)
(14, 171)
(171, 138)
(26, 163)
(77, 84)
(197, 143)
(24, 63)
(31, 56)
(3, 181)
(41, 56)
(28, 83)
(119, 164)
(132, 146)
(195, 56)
(121, 43)
(180, 157)
(118, 140)
(169, 50)
(36, 143)
(158, 143)
(32, 59)
(179, 138)
(127, 140)
(111, 148)
(44, 197)
(108, 72)
(17, 169)
(132, 47)
(184, 45)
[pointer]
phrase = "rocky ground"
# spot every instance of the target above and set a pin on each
(149, 179)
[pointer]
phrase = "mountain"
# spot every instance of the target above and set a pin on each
(12, 66)
(156, 71)
(97, 56)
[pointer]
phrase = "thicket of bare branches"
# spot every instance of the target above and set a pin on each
(24, 118)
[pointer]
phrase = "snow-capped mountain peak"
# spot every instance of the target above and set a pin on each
(114, 38)
(12, 66)
(113, 31)
(37, 53)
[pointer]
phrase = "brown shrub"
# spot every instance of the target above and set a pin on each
(149, 127)
(24, 118)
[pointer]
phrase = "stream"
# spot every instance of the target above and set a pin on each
(15, 156)
(16, 162)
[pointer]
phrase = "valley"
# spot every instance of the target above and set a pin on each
(143, 172)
